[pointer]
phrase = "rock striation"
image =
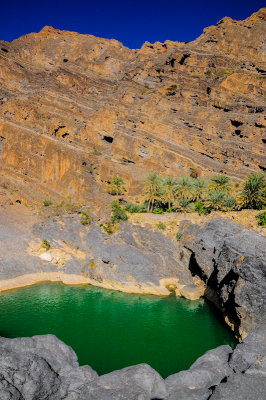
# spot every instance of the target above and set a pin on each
(231, 262)
(42, 367)
(76, 110)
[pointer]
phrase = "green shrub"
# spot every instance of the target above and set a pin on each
(47, 203)
(45, 244)
(161, 226)
(116, 187)
(85, 217)
(261, 218)
(118, 214)
(135, 208)
(158, 211)
(200, 208)
(108, 228)
(178, 236)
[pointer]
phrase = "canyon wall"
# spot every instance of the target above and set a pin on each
(77, 110)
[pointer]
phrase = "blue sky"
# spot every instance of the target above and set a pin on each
(131, 22)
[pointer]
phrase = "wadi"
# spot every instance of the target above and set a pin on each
(139, 171)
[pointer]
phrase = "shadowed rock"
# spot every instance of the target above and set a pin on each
(231, 261)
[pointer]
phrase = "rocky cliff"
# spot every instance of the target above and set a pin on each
(76, 110)
(231, 262)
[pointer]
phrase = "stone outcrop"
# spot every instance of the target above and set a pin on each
(42, 367)
(76, 110)
(231, 262)
(133, 259)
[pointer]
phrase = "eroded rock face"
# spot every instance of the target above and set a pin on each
(133, 259)
(76, 110)
(42, 367)
(231, 261)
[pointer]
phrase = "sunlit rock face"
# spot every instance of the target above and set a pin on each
(76, 110)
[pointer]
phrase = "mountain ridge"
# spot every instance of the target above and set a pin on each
(76, 110)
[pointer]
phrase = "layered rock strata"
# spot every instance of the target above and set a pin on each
(76, 110)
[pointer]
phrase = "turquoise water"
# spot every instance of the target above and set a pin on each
(111, 330)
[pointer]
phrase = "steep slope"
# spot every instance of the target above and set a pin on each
(76, 110)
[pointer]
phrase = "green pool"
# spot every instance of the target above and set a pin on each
(110, 330)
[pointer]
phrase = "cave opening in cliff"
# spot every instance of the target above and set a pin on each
(238, 133)
(171, 62)
(183, 59)
(236, 123)
(108, 139)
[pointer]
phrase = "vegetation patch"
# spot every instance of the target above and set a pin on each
(261, 219)
(47, 203)
(161, 226)
(45, 244)
(178, 236)
(116, 187)
(85, 217)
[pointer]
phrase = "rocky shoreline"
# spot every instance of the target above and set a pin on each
(220, 260)
(43, 367)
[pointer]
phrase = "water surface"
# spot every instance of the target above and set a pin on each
(110, 330)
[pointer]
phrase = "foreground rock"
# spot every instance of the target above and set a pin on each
(133, 259)
(42, 367)
(232, 263)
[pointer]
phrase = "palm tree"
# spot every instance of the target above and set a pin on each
(220, 182)
(199, 189)
(253, 194)
(152, 190)
(220, 200)
(117, 186)
(168, 195)
(184, 188)
(183, 204)
(215, 199)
